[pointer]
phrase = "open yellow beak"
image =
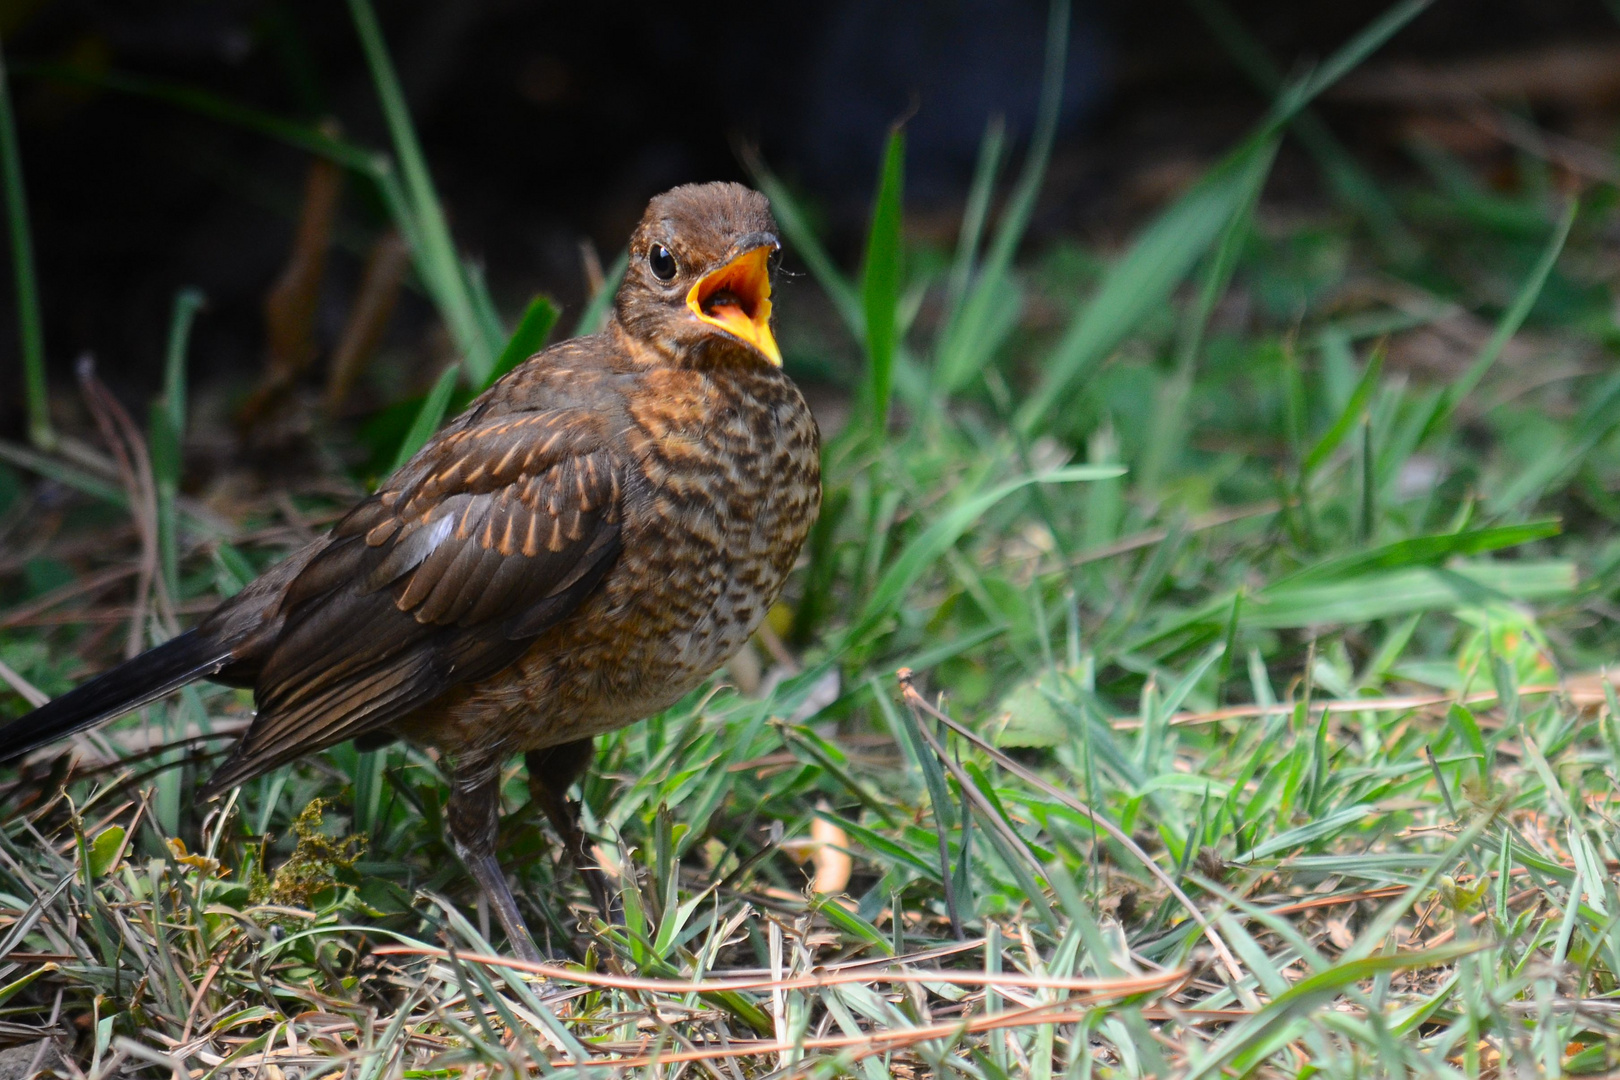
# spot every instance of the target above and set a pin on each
(737, 299)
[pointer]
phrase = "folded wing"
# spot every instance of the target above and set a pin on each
(492, 534)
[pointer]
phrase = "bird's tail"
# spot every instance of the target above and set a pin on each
(127, 687)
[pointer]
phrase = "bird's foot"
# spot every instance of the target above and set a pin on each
(486, 870)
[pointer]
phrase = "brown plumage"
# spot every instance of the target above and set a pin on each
(594, 536)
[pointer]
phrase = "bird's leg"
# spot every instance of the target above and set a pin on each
(473, 814)
(551, 772)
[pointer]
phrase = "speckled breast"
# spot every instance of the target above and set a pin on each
(722, 485)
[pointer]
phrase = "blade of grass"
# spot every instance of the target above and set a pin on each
(1351, 415)
(308, 137)
(1321, 827)
(166, 436)
(1155, 747)
(1371, 597)
(1011, 848)
(1142, 281)
(1599, 419)
(801, 236)
(1350, 183)
(1169, 424)
(1167, 250)
(962, 351)
(1344, 60)
(1247, 1045)
(72, 476)
(1506, 326)
(529, 338)
(368, 778)
(1425, 551)
(880, 287)
(594, 317)
(483, 303)
(30, 324)
(63, 473)
(436, 258)
(905, 724)
(428, 416)
(974, 214)
(921, 552)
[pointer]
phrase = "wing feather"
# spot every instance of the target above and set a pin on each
(491, 535)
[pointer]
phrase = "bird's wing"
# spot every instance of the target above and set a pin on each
(493, 533)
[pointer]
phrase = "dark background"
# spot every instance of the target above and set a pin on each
(548, 124)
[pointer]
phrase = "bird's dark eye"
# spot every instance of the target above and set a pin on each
(662, 262)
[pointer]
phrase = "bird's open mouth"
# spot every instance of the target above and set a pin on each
(737, 299)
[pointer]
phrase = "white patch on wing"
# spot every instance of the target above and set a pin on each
(439, 532)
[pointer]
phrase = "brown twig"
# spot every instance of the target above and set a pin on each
(29, 692)
(290, 306)
(105, 615)
(1582, 159)
(134, 464)
(386, 267)
(813, 981)
(1578, 695)
(88, 584)
(1315, 902)
(1155, 536)
(868, 1043)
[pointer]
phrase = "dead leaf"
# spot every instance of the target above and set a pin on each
(831, 857)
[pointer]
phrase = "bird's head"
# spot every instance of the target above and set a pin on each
(698, 284)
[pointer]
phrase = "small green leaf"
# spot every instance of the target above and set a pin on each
(104, 850)
(10, 989)
(852, 924)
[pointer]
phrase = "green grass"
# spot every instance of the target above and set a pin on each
(1196, 685)
(30, 329)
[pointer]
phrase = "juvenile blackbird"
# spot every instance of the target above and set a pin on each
(597, 533)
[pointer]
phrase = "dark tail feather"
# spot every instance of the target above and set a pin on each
(127, 687)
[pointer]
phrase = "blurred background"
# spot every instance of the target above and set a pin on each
(547, 127)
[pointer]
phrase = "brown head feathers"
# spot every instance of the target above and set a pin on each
(697, 287)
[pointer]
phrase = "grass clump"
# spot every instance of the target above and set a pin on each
(1199, 669)
(317, 862)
